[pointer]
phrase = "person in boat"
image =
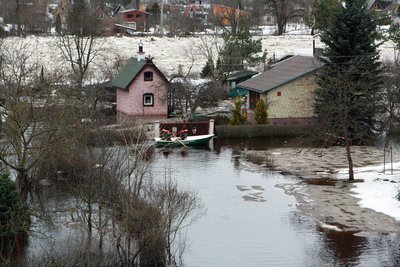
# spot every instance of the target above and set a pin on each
(166, 134)
(183, 133)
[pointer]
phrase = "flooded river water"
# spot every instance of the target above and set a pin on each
(251, 221)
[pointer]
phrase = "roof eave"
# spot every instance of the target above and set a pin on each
(281, 84)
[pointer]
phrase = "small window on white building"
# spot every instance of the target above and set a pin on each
(148, 100)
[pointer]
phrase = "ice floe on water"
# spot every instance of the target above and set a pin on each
(253, 193)
(329, 227)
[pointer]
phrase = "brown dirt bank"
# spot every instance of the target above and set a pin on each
(318, 192)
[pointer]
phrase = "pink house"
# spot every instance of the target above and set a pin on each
(141, 91)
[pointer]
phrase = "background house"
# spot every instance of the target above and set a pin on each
(288, 88)
(226, 15)
(389, 8)
(195, 9)
(235, 78)
(141, 91)
(103, 15)
(132, 18)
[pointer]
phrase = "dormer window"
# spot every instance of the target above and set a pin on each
(148, 76)
(148, 100)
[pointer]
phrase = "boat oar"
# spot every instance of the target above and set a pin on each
(179, 140)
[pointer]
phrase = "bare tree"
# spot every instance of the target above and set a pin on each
(173, 23)
(394, 36)
(257, 12)
(81, 46)
(80, 52)
(209, 46)
(33, 119)
(390, 95)
(178, 209)
(284, 11)
(228, 15)
(344, 108)
(185, 95)
(26, 15)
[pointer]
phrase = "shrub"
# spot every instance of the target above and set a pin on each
(238, 117)
(261, 114)
(14, 216)
(208, 69)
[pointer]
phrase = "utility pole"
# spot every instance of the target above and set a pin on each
(162, 18)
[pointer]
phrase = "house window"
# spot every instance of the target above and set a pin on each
(129, 16)
(148, 100)
(138, 15)
(148, 76)
(278, 93)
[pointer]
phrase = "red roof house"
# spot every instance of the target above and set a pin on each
(134, 19)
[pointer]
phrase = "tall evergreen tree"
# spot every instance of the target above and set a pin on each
(208, 69)
(14, 217)
(323, 12)
(261, 112)
(238, 117)
(346, 102)
(239, 51)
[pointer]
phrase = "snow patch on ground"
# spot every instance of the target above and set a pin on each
(379, 189)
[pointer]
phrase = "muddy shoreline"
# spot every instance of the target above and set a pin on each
(319, 193)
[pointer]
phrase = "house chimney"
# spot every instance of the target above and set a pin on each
(140, 53)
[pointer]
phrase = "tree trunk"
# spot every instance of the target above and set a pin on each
(89, 220)
(23, 184)
(18, 17)
(349, 159)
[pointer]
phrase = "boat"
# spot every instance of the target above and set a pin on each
(194, 140)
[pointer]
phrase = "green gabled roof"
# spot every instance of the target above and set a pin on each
(128, 73)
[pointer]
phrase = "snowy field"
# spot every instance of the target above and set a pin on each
(170, 53)
(379, 189)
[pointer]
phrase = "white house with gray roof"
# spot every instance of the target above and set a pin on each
(288, 88)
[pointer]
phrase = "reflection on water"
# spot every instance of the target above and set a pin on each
(249, 220)
(344, 248)
(252, 222)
